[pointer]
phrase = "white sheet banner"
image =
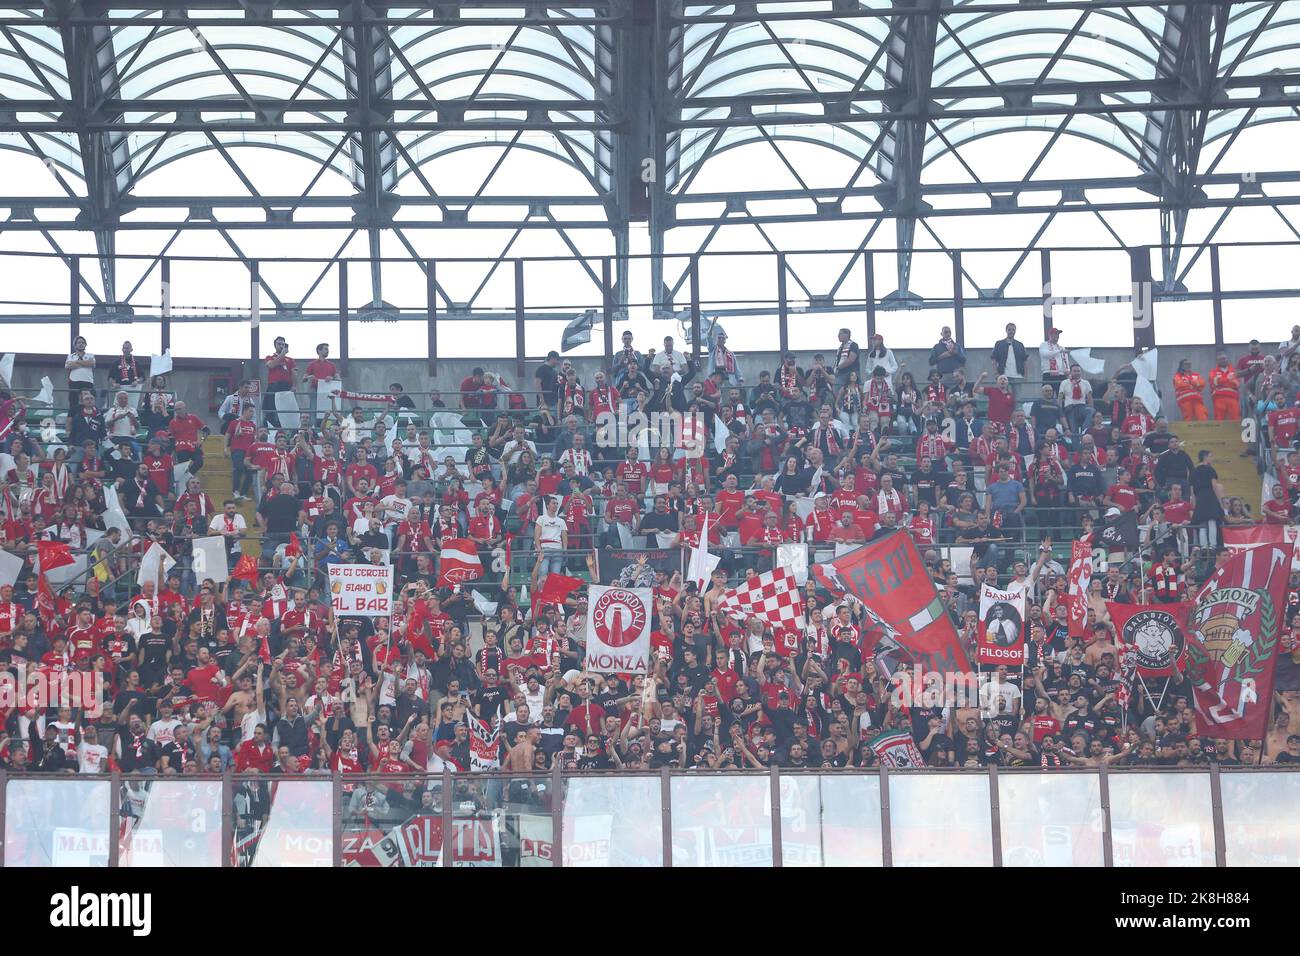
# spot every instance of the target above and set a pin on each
(210, 558)
(154, 561)
(618, 630)
(362, 590)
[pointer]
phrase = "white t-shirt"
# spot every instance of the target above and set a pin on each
(553, 529)
(91, 758)
(395, 508)
(1067, 392)
(1054, 359)
(119, 420)
(218, 523)
(993, 691)
(163, 732)
(86, 375)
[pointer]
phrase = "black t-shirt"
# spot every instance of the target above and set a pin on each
(489, 700)
(281, 513)
(928, 484)
(549, 380)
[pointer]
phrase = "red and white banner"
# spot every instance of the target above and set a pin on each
(1002, 627)
(1079, 579)
(1282, 535)
(484, 743)
(459, 562)
(1233, 637)
(772, 596)
(418, 842)
(618, 630)
(889, 577)
(897, 750)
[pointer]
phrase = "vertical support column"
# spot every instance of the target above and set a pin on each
(607, 307)
(782, 306)
(557, 816)
(255, 312)
(958, 302)
(1107, 843)
(447, 822)
(4, 790)
(344, 314)
(1216, 289)
(1216, 810)
(1142, 297)
(74, 298)
(666, 814)
(886, 837)
(227, 820)
(336, 819)
(114, 819)
(995, 813)
(695, 308)
(778, 850)
(1045, 267)
(431, 316)
(166, 316)
(869, 264)
(521, 344)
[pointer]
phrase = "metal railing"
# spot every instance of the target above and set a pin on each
(990, 816)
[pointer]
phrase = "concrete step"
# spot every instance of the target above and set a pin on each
(218, 482)
(1238, 475)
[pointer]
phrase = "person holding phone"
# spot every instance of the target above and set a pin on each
(279, 376)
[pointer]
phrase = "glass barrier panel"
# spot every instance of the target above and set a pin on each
(722, 821)
(283, 822)
(940, 820)
(57, 822)
(1161, 819)
(502, 821)
(613, 821)
(1259, 818)
(392, 821)
(170, 823)
(1051, 820)
(830, 820)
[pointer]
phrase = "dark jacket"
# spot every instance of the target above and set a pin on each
(1000, 355)
(945, 363)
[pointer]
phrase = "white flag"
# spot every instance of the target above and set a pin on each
(1083, 358)
(7, 370)
(483, 605)
(210, 558)
(702, 563)
(160, 364)
(720, 436)
(46, 394)
(618, 630)
(154, 559)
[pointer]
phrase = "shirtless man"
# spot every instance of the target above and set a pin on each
(520, 757)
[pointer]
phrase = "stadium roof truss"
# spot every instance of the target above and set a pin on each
(642, 114)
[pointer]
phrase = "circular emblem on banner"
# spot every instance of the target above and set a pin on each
(1004, 624)
(1156, 636)
(618, 617)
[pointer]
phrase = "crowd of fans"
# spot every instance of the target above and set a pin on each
(255, 673)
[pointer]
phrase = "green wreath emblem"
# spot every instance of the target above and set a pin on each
(1260, 653)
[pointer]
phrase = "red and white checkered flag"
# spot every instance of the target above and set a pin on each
(772, 596)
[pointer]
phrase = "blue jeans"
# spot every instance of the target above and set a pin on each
(549, 562)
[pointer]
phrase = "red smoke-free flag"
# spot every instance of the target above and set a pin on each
(459, 562)
(555, 589)
(245, 568)
(888, 576)
(1079, 579)
(49, 605)
(53, 554)
(1233, 636)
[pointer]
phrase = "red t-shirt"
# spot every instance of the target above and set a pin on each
(1001, 405)
(242, 434)
(729, 505)
(282, 374)
(322, 369)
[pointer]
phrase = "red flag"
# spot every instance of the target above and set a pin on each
(1156, 632)
(555, 589)
(245, 569)
(264, 650)
(1233, 636)
(53, 554)
(294, 547)
(458, 562)
(49, 605)
(1080, 579)
(889, 576)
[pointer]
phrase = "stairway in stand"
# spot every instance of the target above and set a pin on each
(218, 482)
(1238, 475)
